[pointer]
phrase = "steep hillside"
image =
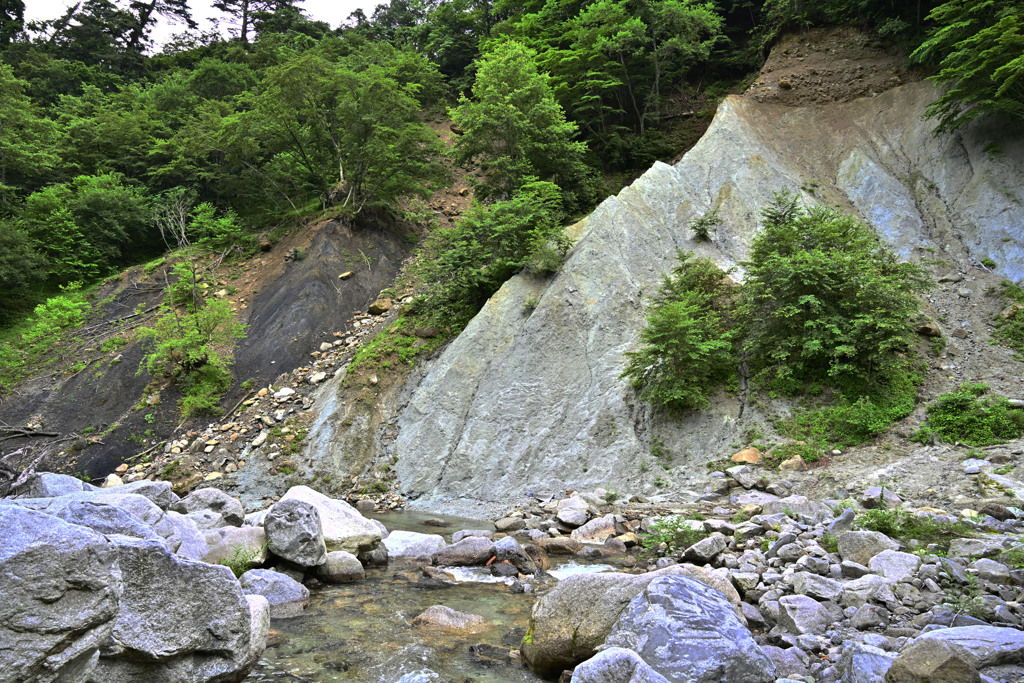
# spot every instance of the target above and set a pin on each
(529, 397)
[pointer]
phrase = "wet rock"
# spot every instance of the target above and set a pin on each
(407, 546)
(180, 620)
(443, 618)
(343, 527)
(341, 567)
(563, 545)
(294, 533)
(509, 550)
(504, 569)
(688, 631)
(286, 596)
(215, 500)
(616, 665)
(61, 585)
(468, 552)
(466, 533)
(509, 524)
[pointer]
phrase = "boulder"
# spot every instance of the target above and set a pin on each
(984, 645)
(294, 533)
(928, 660)
(818, 587)
(562, 545)
(441, 618)
(510, 524)
(286, 596)
(193, 546)
(159, 492)
(468, 552)
(341, 567)
(894, 565)
(180, 620)
(878, 497)
(230, 509)
(60, 584)
(107, 519)
(978, 547)
(235, 544)
(867, 589)
(616, 665)
(687, 631)
(343, 527)
(800, 614)
(597, 529)
(749, 456)
(745, 476)
(705, 550)
(861, 546)
(569, 623)
(51, 485)
(466, 533)
(794, 506)
(572, 517)
(404, 546)
(862, 663)
(509, 550)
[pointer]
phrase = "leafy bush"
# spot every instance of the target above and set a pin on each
(969, 416)
(902, 525)
(825, 300)
(673, 531)
(242, 559)
(687, 345)
(703, 226)
(1010, 323)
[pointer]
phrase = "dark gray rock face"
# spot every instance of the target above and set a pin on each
(616, 665)
(180, 620)
(689, 632)
(294, 533)
(59, 590)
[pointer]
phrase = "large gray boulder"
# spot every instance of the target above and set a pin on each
(60, 586)
(404, 546)
(342, 567)
(861, 546)
(571, 622)
(616, 665)
(160, 492)
(984, 645)
(344, 528)
(179, 620)
(107, 519)
(862, 663)
(140, 506)
(468, 552)
(286, 596)
(228, 508)
(689, 632)
(193, 546)
(894, 565)
(800, 614)
(51, 485)
(294, 533)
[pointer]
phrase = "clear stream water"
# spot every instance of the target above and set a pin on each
(361, 632)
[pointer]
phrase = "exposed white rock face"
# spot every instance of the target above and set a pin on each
(519, 403)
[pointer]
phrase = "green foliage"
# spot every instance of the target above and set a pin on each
(899, 524)
(1010, 323)
(194, 345)
(979, 49)
(516, 131)
(242, 559)
(830, 543)
(674, 531)
(1015, 557)
(397, 343)
(687, 345)
(965, 599)
(703, 226)
(970, 416)
(465, 264)
(825, 300)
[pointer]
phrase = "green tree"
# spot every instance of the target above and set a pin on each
(243, 12)
(825, 300)
(12, 19)
(514, 129)
(20, 267)
(979, 48)
(26, 136)
(687, 346)
(86, 226)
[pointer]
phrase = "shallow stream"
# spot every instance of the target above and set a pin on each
(361, 631)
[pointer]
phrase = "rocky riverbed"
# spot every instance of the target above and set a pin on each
(128, 582)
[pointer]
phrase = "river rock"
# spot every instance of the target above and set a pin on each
(286, 596)
(562, 545)
(570, 622)
(862, 663)
(597, 529)
(894, 565)
(510, 524)
(341, 567)
(508, 550)
(984, 645)
(232, 543)
(468, 552)
(192, 546)
(404, 546)
(861, 546)
(443, 618)
(230, 509)
(160, 493)
(180, 620)
(932, 661)
(466, 533)
(705, 550)
(800, 614)
(572, 517)
(61, 585)
(343, 527)
(51, 485)
(616, 665)
(687, 631)
(294, 533)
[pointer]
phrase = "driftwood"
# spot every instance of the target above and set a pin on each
(10, 478)
(16, 433)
